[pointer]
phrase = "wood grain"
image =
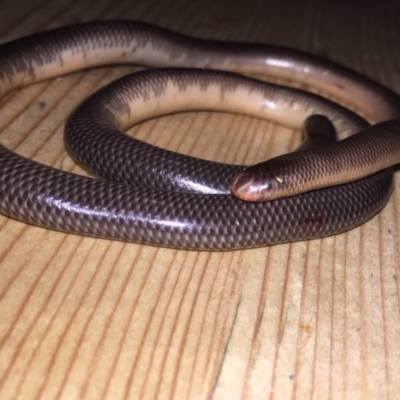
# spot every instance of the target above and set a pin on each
(91, 319)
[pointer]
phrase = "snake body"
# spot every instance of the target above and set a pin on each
(157, 197)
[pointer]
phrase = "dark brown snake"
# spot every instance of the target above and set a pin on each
(157, 197)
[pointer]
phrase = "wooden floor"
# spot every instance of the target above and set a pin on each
(82, 318)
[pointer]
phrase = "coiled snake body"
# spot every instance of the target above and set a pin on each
(157, 197)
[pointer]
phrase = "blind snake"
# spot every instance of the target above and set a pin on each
(157, 197)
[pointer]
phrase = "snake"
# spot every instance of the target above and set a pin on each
(144, 194)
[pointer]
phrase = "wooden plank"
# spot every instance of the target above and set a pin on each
(93, 319)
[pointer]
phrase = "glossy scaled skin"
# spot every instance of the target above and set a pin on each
(158, 214)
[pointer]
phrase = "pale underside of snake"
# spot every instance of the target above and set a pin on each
(152, 196)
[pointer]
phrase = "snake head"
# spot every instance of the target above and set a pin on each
(256, 185)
